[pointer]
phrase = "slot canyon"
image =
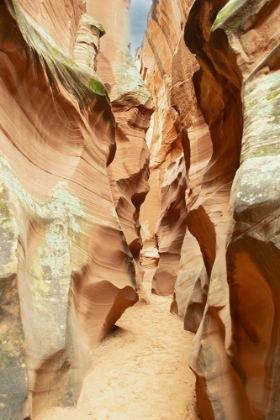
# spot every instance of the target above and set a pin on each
(139, 211)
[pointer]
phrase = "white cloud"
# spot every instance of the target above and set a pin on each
(139, 10)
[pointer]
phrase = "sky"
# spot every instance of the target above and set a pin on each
(139, 10)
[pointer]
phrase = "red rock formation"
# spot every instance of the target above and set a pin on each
(198, 148)
(213, 206)
(219, 100)
(227, 106)
(250, 58)
(66, 270)
(132, 108)
(171, 227)
(165, 24)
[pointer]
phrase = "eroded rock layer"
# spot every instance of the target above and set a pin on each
(223, 84)
(164, 210)
(132, 107)
(67, 273)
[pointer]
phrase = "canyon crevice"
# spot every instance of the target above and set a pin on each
(60, 292)
(220, 111)
(108, 173)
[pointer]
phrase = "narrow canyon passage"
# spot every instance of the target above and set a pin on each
(140, 371)
(110, 164)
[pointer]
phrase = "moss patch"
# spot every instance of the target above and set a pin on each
(81, 81)
(262, 117)
(96, 86)
(273, 95)
(232, 15)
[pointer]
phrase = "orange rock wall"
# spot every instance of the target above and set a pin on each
(67, 273)
(60, 20)
(250, 55)
(114, 46)
(166, 201)
(132, 107)
(223, 86)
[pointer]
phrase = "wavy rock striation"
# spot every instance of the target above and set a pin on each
(225, 90)
(67, 273)
(250, 56)
(132, 108)
(164, 211)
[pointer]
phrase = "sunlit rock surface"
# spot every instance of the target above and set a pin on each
(70, 199)
(222, 80)
(171, 227)
(67, 273)
(165, 208)
(249, 57)
(132, 107)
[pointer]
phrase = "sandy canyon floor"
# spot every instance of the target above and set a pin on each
(140, 371)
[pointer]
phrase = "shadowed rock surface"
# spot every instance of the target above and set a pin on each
(74, 173)
(67, 273)
(223, 83)
(164, 210)
(132, 107)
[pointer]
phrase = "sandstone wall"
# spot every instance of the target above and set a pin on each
(164, 210)
(132, 107)
(249, 55)
(224, 88)
(67, 273)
